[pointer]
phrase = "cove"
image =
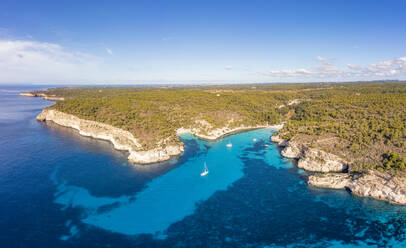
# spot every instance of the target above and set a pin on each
(172, 196)
(60, 189)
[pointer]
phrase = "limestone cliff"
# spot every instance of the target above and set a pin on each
(124, 140)
(321, 161)
(279, 140)
(292, 150)
(45, 96)
(211, 134)
(311, 159)
(121, 139)
(372, 184)
(330, 180)
(381, 186)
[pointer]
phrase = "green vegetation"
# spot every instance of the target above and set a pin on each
(393, 160)
(363, 121)
(153, 115)
(357, 121)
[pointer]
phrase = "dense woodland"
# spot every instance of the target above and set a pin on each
(152, 115)
(365, 122)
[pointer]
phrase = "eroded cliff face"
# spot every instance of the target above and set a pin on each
(372, 184)
(206, 132)
(46, 97)
(380, 186)
(292, 150)
(121, 139)
(311, 159)
(320, 161)
(279, 140)
(124, 140)
(330, 180)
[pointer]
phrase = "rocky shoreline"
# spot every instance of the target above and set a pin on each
(335, 173)
(121, 139)
(219, 133)
(124, 140)
(46, 97)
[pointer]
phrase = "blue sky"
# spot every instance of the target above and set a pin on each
(201, 41)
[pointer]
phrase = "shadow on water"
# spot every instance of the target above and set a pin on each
(268, 203)
(60, 189)
(165, 199)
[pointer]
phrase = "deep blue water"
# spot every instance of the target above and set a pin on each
(59, 189)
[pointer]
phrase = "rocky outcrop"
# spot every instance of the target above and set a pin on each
(124, 140)
(330, 180)
(121, 139)
(321, 161)
(278, 140)
(27, 94)
(155, 155)
(292, 150)
(53, 98)
(295, 101)
(311, 159)
(45, 96)
(380, 186)
(373, 184)
(206, 133)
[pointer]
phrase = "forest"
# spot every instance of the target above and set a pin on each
(365, 122)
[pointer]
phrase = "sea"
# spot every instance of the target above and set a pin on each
(60, 189)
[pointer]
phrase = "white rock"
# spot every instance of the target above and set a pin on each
(381, 186)
(206, 132)
(291, 150)
(372, 184)
(279, 141)
(121, 139)
(321, 161)
(124, 140)
(27, 94)
(294, 101)
(330, 180)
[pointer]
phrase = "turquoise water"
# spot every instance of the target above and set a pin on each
(158, 206)
(60, 189)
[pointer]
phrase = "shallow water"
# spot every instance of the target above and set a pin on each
(59, 189)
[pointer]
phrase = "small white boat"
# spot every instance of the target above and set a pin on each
(205, 171)
(229, 145)
(254, 140)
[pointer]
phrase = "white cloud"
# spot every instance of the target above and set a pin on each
(288, 73)
(388, 67)
(382, 69)
(109, 51)
(319, 58)
(31, 61)
(327, 68)
(354, 67)
(228, 67)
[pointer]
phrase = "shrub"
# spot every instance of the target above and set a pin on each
(392, 160)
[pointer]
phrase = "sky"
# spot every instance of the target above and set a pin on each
(222, 41)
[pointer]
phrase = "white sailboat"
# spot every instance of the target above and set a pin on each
(229, 145)
(205, 171)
